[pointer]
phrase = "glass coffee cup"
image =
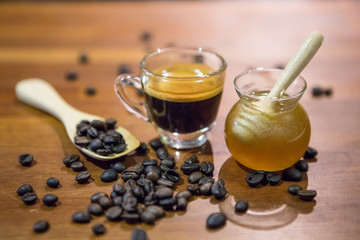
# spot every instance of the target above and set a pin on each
(182, 89)
(267, 140)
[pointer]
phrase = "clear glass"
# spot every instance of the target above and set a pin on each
(182, 89)
(267, 134)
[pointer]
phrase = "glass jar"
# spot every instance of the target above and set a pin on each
(262, 133)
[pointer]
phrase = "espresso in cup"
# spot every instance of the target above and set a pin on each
(182, 94)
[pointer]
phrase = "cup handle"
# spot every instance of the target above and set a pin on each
(133, 106)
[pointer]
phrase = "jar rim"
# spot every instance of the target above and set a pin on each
(258, 70)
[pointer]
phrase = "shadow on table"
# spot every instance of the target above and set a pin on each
(270, 207)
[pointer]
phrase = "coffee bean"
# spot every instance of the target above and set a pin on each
(317, 91)
(156, 210)
(96, 196)
(109, 140)
(109, 175)
(193, 188)
(152, 162)
(302, 166)
(165, 182)
(95, 144)
(92, 133)
(192, 159)
(306, 195)
(131, 217)
(110, 123)
(24, 189)
(114, 213)
(273, 178)
(130, 184)
(71, 76)
(328, 92)
(164, 192)
(291, 174)
(119, 189)
(195, 177)
(119, 167)
(205, 189)
(138, 234)
(138, 192)
(95, 209)
(184, 194)
(172, 175)
(181, 204)
(148, 217)
(83, 177)
(53, 182)
(90, 90)
(117, 201)
(130, 203)
(81, 217)
(142, 149)
(98, 124)
(138, 168)
(98, 229)
(50, 199)
(129, 174)
(104, 202)
(151, 168)
(104, 151)
(168, 163)
(206, 180)
(241, 206)
(155, 144)
(113, 194)
(149, 187)
(153, 176)
(77, 166)
(218, 189)
(70, 159)
(25, 159)
(310, 153)
(150, 199)
(41, 226)
(254, 178)
(293, 189)
(119, 148)
(188, 168)
(29, 198)
(216, 220)
(207, 168)
(82, 141)
(162, 153)
(168, 203)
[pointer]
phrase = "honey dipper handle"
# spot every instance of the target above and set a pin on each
(302, 57)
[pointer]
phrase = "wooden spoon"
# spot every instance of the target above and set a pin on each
(40, 94)
(298, 62)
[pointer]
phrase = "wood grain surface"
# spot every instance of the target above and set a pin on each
(44, 40)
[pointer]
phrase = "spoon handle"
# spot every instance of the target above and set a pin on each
(302, 57)
(40, 94)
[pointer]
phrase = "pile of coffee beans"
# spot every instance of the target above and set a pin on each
(100, 137)
(262, 178)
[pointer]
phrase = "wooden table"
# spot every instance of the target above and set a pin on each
(44, 40)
